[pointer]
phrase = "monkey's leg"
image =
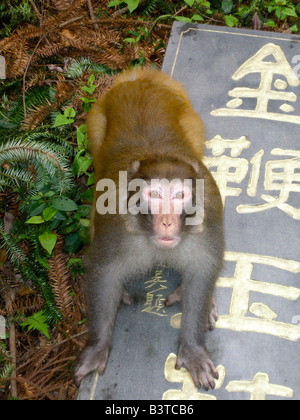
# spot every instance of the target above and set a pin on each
(213, 313)
(104, 294)
(197, 292)
(174, 297)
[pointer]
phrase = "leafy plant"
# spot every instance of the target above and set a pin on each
(37, 322)
(132, 4)
(6, 367)
(283, 8)
(12, 16)
(26, 161)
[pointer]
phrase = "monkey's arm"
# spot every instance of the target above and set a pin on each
(104, 293)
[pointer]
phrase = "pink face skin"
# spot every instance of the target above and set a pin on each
(166, 203)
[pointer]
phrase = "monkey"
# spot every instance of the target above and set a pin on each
(146, 129)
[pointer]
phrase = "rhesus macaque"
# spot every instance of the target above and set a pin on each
(145, 127)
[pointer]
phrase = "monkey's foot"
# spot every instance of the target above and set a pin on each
(91, 359)
(127, 299)
(174, 297)
(213, 315)
(199, 365)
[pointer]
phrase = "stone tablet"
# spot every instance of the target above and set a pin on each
(245, 85)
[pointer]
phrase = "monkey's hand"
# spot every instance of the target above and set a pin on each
(92, 358)
(198, 362)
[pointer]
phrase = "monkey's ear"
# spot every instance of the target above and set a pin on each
(194, 164)
(196, 167)
(134, 167)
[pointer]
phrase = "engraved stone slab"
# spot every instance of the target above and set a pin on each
(245, 85)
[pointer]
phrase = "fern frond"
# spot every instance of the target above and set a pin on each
(42, 156)
(59, 276)
(56, 139)
(6, 371)
(30, 270)
(150, 7)
(13, 177)
(78, 67)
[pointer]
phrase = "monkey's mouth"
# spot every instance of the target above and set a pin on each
(167, 242)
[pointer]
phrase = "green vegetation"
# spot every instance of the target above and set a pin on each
(60, 57)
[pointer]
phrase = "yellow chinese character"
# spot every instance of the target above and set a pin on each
(280, 175)
(157, 279)
(188, 391)
(259, 63)
(260, 387)
(242, 284)
(228, 169)
(155, 302)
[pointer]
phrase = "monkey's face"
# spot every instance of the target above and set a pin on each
(166, 202)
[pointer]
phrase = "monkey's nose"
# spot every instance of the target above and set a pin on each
(166, 224)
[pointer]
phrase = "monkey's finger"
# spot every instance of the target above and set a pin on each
(179, 363)
(195, 378)
(213, 369)
(207, 381)
(127, 298)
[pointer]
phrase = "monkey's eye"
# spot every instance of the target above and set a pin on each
(154, 194)
(179, 195)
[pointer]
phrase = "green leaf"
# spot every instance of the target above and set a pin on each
(114, 3)
(91, 80)
(36, 220)
(91, 179)
(37, 209)
(129, 40)
(183, 19)
(81, 163)
(50, 194)
(280, 2)
(294, 28)
(231, 21)
(62, 120)
(64, 204)
(85, 222)
(73, 242)
(227, 6)
(49, 213)
(37, 322)
(70, 112)
(48, 241)
(289, 11)
(190, 2)
(81, 139)
(132, 4)
(60, 216)
(89, 89)
(271, 23)
(197, 17)
(87, 100)
(36, 197)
